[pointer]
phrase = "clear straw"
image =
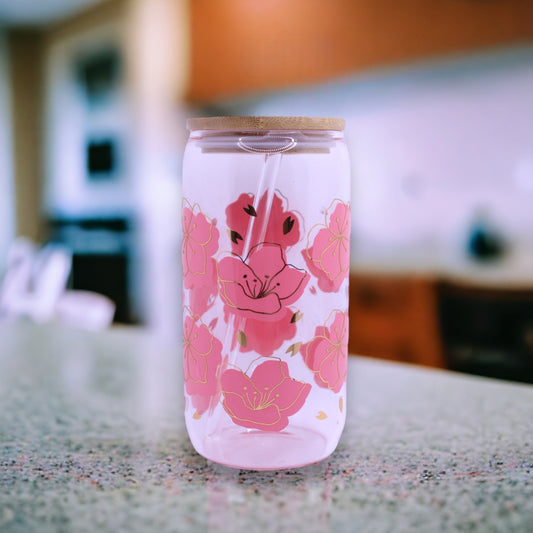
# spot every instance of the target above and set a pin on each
(267, 185)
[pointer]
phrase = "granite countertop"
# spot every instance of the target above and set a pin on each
(92, 438)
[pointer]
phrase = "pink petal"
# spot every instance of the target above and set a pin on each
(201, 339)
(205, 288)
(237, 382)
(200, 240)
(289, 284)
(327, 353)
(194, 258)
(233, 269)
(290, 395)
(238, 220)
(200, 403)
(339, 221)
(239, 285)
(201, 230)
(266, 260)
(324, 283)
(206, 278)
(269, 374)
(242, 401)
(264, 337)
(234, 296)
(273, 380)
(333, 368)
(268, 418)
(339, 329)
(195, 369)
(202, 298)
(263, 229)
(329, 256)
(277, 217)
(188, 324)
(314, 351)
(323, 239)
(201, 358)
(279, 396)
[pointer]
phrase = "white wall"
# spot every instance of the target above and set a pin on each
(7, 224)
(153, 37)
(157, 40)
(431, 144)
(69, 123)
(425, 163)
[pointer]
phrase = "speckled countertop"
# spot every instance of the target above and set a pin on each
(92, 438)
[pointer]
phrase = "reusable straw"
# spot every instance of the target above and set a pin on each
(267, 185)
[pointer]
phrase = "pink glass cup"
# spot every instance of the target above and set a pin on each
(266, 256)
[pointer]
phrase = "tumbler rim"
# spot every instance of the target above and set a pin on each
(253, 123)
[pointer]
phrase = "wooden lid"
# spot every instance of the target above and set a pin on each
(265, 123)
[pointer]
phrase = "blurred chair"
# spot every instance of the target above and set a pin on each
(35, 286)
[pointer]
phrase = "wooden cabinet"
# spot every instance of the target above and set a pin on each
(395, 318)
(485, 330)
(239, 46)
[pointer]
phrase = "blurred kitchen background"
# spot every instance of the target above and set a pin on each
(438, 99)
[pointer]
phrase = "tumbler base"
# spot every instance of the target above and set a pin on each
(264, 450)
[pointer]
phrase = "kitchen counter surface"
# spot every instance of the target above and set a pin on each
(92, 438)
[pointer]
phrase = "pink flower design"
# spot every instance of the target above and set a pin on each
(200, 403)
(282, 227)
(264, 400)
(200, 243)
(202, 355)
(328, 259)
(327, 353)
(264, 337)
(262, 284)
(202, 298)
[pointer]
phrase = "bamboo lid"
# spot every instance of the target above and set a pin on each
(266, 123)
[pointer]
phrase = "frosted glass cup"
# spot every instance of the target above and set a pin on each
(266, 254)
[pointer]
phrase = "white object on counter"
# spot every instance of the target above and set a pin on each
(35, 286)
(85, 310)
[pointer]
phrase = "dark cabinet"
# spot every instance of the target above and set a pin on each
(487, 331)
(102, 250)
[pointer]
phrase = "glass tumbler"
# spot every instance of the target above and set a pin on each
(266, 256)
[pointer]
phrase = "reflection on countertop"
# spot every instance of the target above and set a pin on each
(93, 438)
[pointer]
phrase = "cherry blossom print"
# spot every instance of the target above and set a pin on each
(200, 403)
(202, 298)
(246, 221)
(202, 355)
(265, 337)
(264, 400)
(326, 354)
(328, 257)
(200, 243)
(262, 284)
